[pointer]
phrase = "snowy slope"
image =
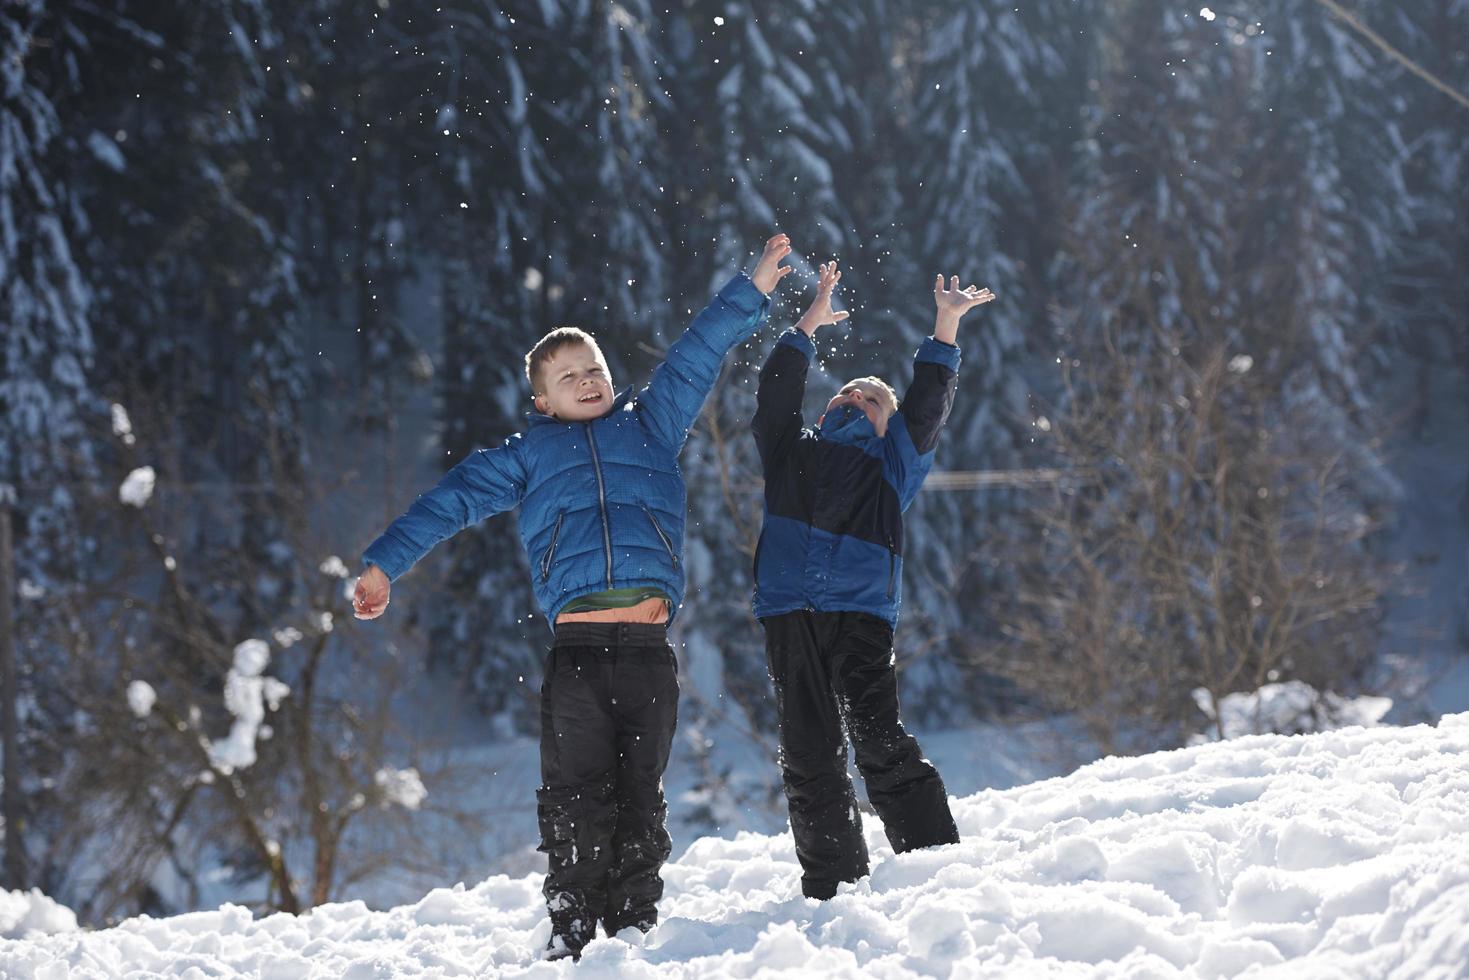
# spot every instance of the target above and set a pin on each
(1344, 854)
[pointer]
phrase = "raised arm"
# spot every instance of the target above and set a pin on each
(675, 394)
(777, 421)
(930, 397)
(485, 483)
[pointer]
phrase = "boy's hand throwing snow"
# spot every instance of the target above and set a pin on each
(952, 304)
(819, 313)
(769, 272)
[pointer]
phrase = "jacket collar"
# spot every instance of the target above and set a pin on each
(848, 425)
(618, 403)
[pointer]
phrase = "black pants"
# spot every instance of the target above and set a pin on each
(609, 704)
(831, 670)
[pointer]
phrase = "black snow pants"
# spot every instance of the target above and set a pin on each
(833, 670)
(609, 704)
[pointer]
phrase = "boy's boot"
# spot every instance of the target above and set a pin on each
(571, 929)
(636, 886)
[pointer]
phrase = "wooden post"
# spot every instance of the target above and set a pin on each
(14, 867)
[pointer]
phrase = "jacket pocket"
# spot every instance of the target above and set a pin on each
(551, 549)
(658, 528)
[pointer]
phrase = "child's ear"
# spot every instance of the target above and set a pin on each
(539, 401)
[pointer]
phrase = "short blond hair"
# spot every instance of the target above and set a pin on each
(546, 348)
(889, 396)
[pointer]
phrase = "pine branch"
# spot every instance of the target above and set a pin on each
(1397, 55)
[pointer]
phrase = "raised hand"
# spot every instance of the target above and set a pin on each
(370, 597)
(952, 304)
(958, 301)
(769, 272)
(819, 313)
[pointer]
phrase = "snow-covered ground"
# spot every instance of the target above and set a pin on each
(1343, 854)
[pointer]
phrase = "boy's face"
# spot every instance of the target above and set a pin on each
(866, 397)
(575, 385)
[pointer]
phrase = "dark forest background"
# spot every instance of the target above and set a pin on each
(289, 256)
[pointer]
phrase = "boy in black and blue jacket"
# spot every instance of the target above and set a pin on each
(828, 572)
(602, 509)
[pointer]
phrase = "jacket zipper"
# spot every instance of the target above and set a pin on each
(602, 498)
(667, 542)
(551, 551)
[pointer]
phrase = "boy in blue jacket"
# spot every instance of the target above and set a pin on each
(602, 507)
(827, 574)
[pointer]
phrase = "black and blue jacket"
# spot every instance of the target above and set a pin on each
(602, 503)
(835, 495)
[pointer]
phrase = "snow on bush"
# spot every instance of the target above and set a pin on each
(122, 425)
(141, 698)
(287, 636)
(1338, 854)
(247, 694)
(138, 487)
(1288, 708)
(335, 567)
(401, 786)
(26, 915)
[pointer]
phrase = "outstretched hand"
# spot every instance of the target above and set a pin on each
(370, 598)
(769, 272)
(952, 304)
(819, 313)
(958, 301)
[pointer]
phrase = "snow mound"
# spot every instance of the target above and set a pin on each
(27, 914)
(1337, 854)
(1290, 708)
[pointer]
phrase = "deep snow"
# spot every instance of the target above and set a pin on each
(1342, 854)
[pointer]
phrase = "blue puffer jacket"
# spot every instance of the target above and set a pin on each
(835, 495)
(602, 503)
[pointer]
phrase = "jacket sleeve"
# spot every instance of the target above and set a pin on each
(913, 433)
(487, 482)
(777, 421)
(675, 394)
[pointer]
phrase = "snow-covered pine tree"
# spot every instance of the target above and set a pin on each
(196, 269)
(489, 181)
(1326, 159)
(45, 391)
(170, 122)
(999, 92)
(1428, 289)
(1428, 336)
(553, 182)
(1216, 539)
(606, 191)
(47, 396)
(756, 142)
